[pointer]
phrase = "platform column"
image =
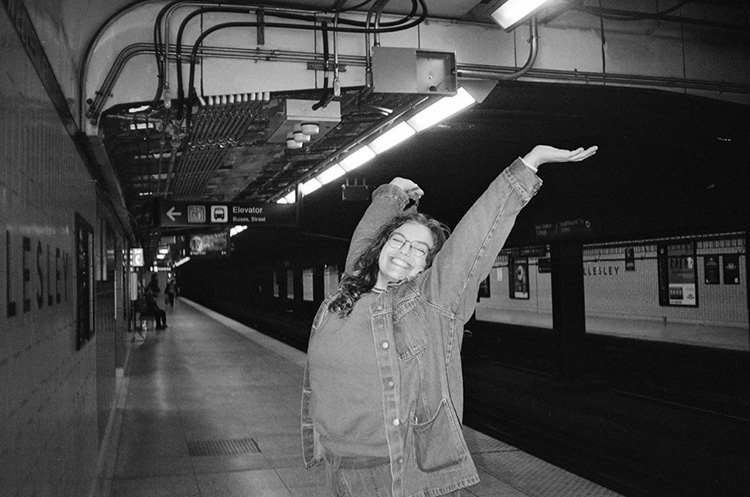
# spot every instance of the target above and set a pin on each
(747, 279)
(568, 307)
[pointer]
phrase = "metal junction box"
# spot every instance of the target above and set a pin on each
(409, 70)
(294, 112)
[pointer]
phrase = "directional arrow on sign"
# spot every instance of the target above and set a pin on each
(172, 213)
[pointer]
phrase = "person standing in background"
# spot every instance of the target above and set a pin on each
(169, 292)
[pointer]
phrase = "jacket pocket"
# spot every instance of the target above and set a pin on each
(438, 442)
(409, 329)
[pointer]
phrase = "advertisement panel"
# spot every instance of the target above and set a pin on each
(519, 278)
(209, 244)
(678, 274)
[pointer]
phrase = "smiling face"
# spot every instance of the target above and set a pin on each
(396, 264)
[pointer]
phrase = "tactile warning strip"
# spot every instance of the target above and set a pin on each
(481, 443)
(526, 473)
(222, 447)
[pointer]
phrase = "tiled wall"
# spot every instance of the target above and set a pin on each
(612, 292)
(49, 441)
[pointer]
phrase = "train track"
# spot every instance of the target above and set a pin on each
(636, 447)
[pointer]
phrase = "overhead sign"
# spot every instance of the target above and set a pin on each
(217, 214)
(577, 227)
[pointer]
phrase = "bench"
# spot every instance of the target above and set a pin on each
(144, 320)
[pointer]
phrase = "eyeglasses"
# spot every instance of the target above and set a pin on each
(418, 249)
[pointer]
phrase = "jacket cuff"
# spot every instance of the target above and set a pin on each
(389, 191)
(524, 178)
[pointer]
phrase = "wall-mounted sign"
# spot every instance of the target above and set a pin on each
(629, 259)
(202, 214)
(84, 234)
(678, 274)
(711, 269)
(484, 289)
(519, 279)
(544, 265)
(209, 244)
(136, 257)
(731, 269)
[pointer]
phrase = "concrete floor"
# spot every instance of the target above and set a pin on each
(210, 408)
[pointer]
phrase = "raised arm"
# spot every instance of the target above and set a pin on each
(468, 255)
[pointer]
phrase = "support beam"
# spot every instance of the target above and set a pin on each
(568, 306)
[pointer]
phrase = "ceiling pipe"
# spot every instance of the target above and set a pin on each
(497, 76)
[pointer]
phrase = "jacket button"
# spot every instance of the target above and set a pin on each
(400, 460)
(396, 422)
(385, 345)
(390, 383)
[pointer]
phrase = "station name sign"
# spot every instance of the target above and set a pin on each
(217, 214)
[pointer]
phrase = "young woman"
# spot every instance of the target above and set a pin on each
(383, 391)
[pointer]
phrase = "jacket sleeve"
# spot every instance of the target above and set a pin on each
(466, 258)
(388, 201)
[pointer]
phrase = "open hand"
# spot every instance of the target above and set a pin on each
(543, 154)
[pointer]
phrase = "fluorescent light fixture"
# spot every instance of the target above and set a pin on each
(236, 230)
(513, 12)
(181, 261)
(289, 198)
(357, 158)
(441, 110)
(438, 111)
(330, 174)
(310, 186)
(135, 110)
(392, 137)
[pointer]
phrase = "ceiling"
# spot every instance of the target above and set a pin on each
(678, 158)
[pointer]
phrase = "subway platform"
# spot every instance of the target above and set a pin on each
(210, 408)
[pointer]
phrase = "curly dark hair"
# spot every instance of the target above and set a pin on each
(365, 270)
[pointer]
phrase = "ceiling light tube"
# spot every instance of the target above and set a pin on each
(357, 158)
(441, 110)
(291, 197)
(392, 137)
(514, 12)
(330, 174)
(236, 230)
(310, 186)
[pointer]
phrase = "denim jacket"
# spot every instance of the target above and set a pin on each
(418, 329)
